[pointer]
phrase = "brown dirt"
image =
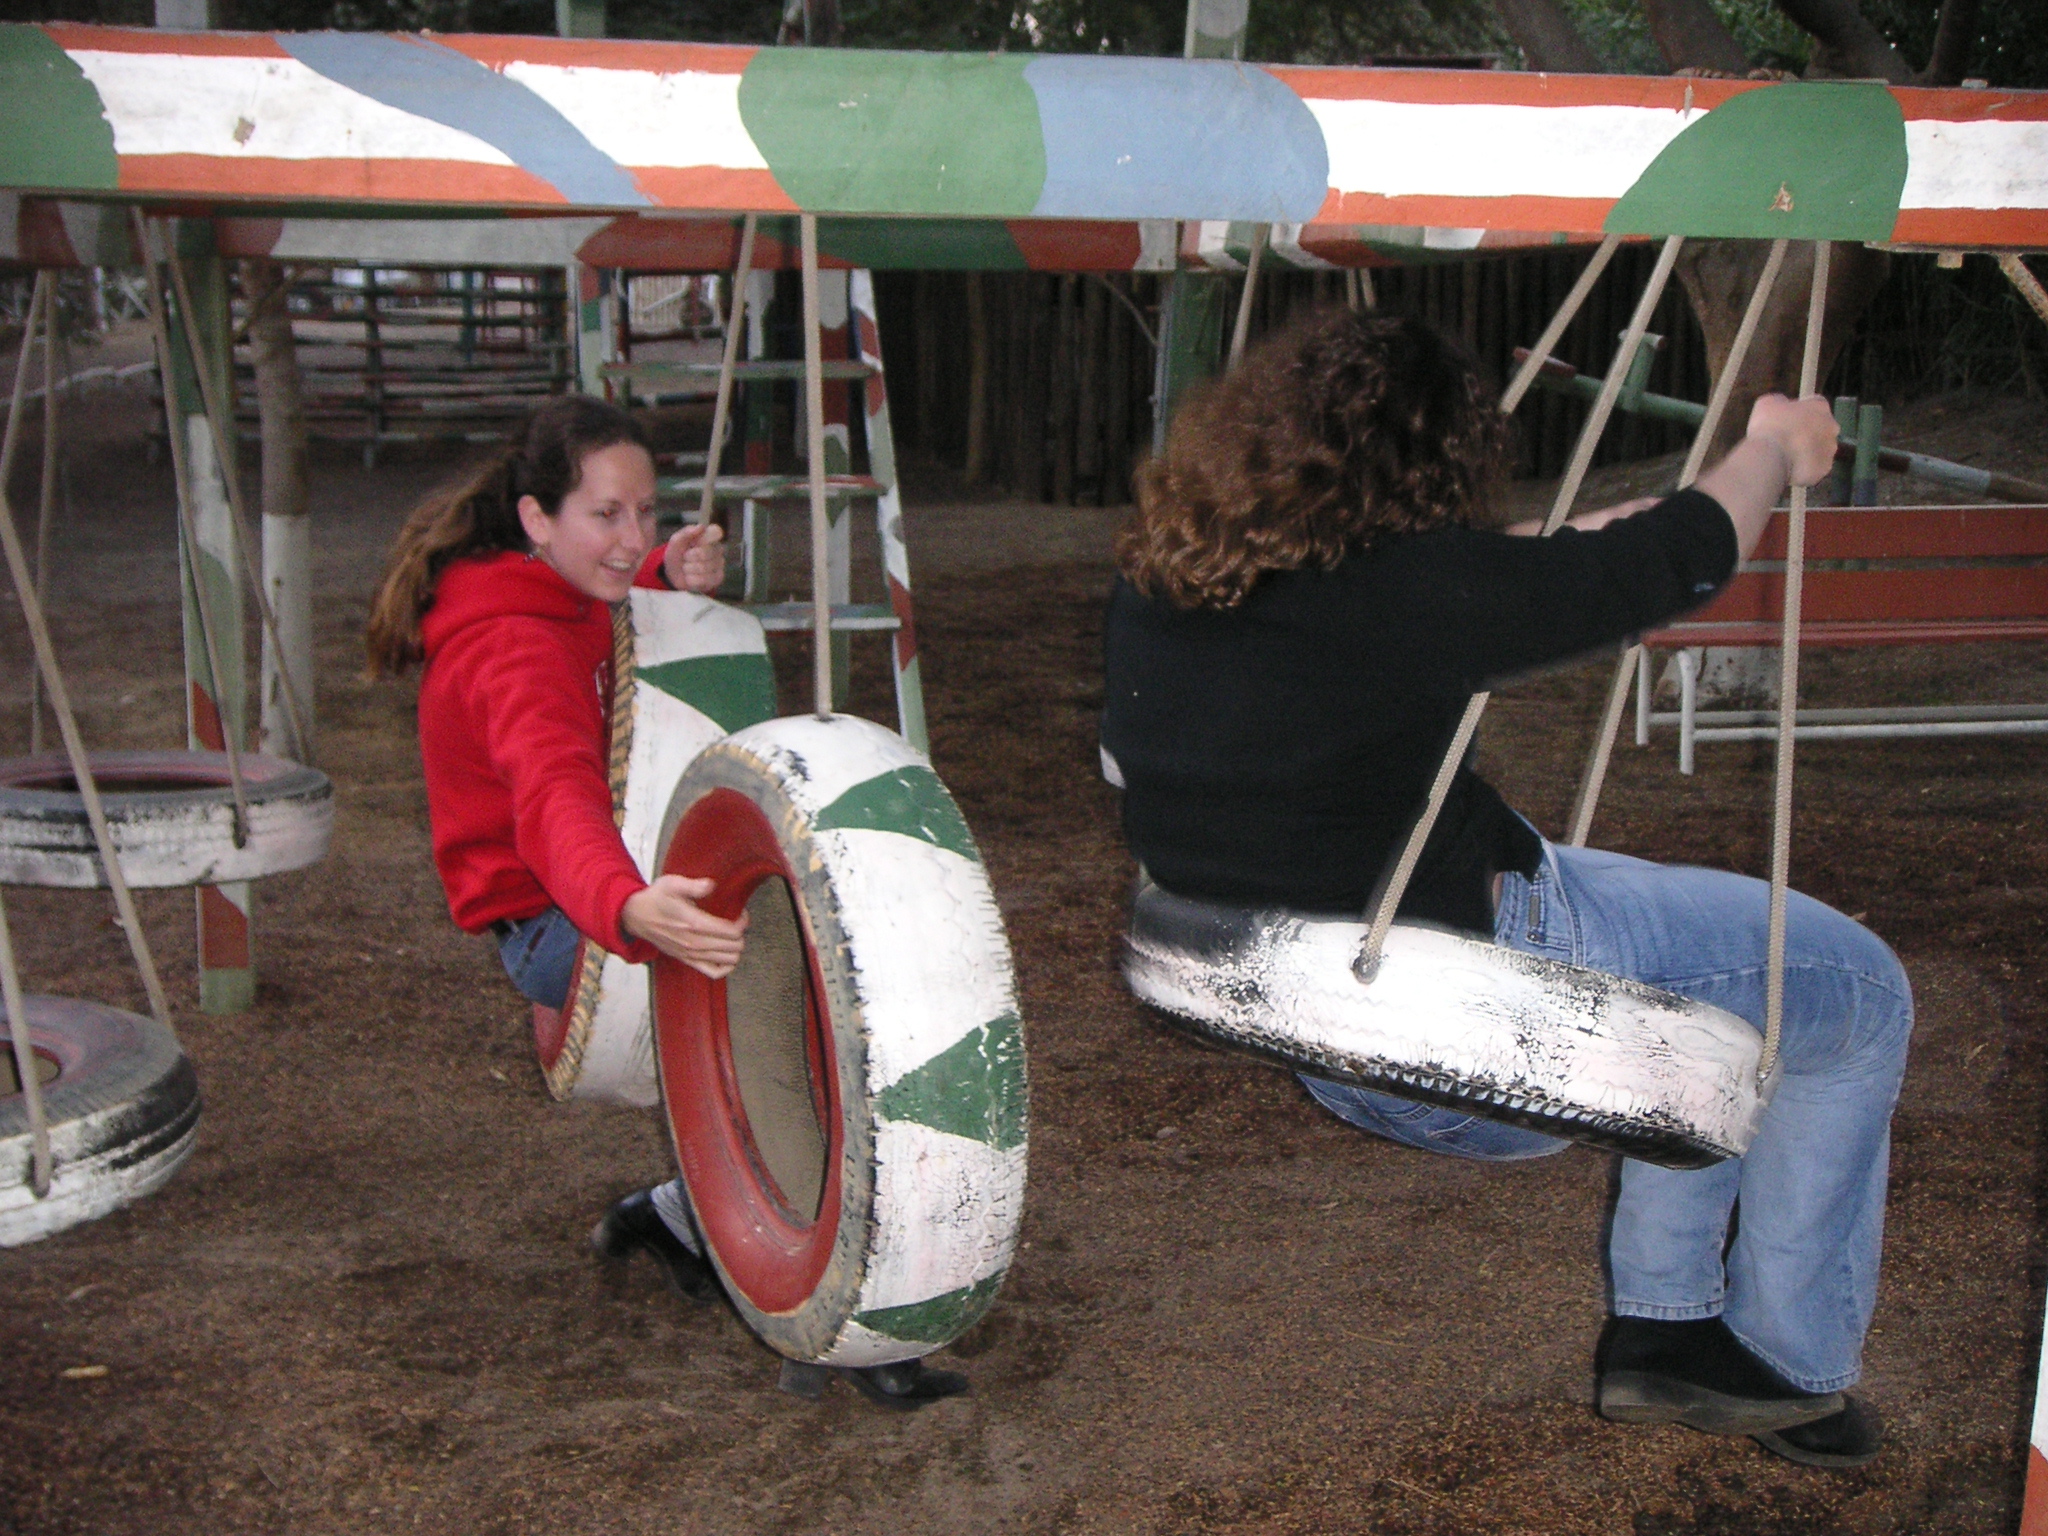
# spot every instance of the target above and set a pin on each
(364, 1305)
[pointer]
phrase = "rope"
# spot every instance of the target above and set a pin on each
(60, 701)
(1595, 776)
(721, 413)
(1261, 233)
(1788, 687)
(2029, 285)
(174, 430)
(217, 416)
(1396, 884)
(46, 502)
(1566, 312)
(814, 423)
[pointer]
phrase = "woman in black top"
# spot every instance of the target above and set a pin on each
(1306, 601)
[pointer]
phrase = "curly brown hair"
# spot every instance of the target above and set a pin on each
(1329, 436)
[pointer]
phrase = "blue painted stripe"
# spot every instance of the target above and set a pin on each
(428, 80)
(1148, 138)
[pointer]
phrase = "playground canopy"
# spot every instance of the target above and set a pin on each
(641, 154)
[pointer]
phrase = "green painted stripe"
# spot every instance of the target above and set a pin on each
(915, 133)
(71, 144)
(734, 690)
(973, 1088)
(939, 1320)
(911, 801)
(935, 245)
(1807, 161)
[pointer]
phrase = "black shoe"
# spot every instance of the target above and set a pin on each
(1697, 1373)
(904, 1384)
(634, 1224)
(1851, 1438)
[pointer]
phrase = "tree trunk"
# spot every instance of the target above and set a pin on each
(1547, 37)
(287, 540)
(1690, 35)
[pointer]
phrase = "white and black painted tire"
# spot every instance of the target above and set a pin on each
(123, 1110)
(685, 670)
(1449, 1020)
(849, 1107)
(171, 816)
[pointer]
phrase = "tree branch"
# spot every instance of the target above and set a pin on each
(1690, 36)
(1955, 38)
(1547, 38)
(1850, 45)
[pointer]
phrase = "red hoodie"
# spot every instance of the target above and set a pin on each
(515, 710)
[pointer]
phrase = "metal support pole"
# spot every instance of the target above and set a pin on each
(814, 427)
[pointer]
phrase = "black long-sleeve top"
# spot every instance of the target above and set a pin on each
(1277, 753)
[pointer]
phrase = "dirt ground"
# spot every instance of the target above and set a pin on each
(365, 1304)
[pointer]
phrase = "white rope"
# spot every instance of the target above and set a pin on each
(814, 422)
(174, 429)
(1242, 329)
(46, 502)
(217, 416)
(1396, 885)
(60, 704)
(1595, 776)
(721, 413)
(1788, 687)
(1566, 312)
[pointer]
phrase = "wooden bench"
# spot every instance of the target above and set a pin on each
(1930, 575)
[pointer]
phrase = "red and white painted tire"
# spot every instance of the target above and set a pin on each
(123, 1109)
(848, 1107)
(171, 816)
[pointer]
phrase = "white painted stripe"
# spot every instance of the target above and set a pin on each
(946, 1214)
(458, 242)
(2040, 1432)
(639, 117)
(1417, 149)
(237, 108)
(667, 735)
(618, 1058)
(820, 760)
(929, 958)
(1975, 165)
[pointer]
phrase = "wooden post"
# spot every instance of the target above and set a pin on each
(757, 429)
(834, 313)
(287, 530)
(227, 976)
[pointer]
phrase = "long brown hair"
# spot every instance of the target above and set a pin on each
(479, 515)
(1329, 436)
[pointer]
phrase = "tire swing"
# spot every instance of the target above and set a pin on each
(1453, 1021)
(848, 1106)
(685, 671)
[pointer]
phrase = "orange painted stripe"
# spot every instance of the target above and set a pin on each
(1898, 533)
(2034, 1513)
(1462, 87)
(1076, 245)
(595, 53)
(71, 35)
(223, 932)
(1545, 215)
(247, 237)
(712, 186)
(1972, 226)
(1921, 106)
(402, 181)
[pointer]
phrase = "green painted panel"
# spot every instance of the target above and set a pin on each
(973, 1088)
(71, 144)
(897, 132)
(911, 801)
(937, 1321)
(1806, 161)
(932, 245)
(734, 690)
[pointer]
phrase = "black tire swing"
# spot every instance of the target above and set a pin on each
(1454, 1021)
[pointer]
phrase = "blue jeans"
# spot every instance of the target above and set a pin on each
(539, 954)
(1798, 1282)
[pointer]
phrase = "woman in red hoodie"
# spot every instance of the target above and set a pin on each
(502, 585)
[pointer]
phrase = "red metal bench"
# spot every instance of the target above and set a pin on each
(1874, 576)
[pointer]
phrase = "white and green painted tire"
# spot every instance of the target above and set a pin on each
(849, 1106)
(686, 670)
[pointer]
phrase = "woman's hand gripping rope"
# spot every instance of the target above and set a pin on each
(695, 558)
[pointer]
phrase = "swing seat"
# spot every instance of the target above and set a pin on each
(1452, 1021)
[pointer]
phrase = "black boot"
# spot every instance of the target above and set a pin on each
(634, 1224)
(1851, 1438)
(901, 1384)
(1697, 1373)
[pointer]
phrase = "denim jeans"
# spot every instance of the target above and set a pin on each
(539, 954)
(1799, 1280)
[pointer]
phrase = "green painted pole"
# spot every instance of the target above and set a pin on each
(227, 974)
(1194, 313)
(579, 18)
(1863, 481)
